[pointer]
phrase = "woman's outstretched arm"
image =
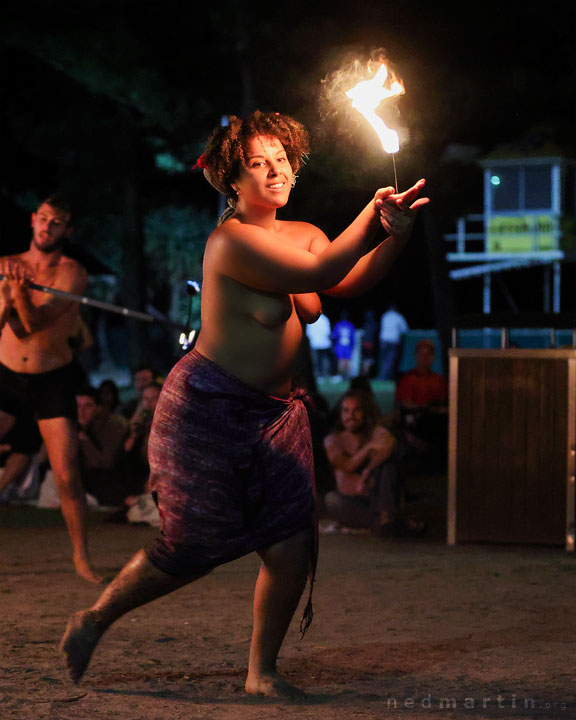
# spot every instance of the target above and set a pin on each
(261, 259)
(396, 216)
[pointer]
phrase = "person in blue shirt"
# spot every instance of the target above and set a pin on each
(343, 343)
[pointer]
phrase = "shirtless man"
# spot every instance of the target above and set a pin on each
(36, 372)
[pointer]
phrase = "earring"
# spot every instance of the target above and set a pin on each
(293, 183)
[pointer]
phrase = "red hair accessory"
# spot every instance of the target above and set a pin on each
(201, 163)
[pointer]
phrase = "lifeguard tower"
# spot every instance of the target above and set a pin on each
(528, 206)
(512, 450)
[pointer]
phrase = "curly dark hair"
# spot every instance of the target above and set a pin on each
(227, 147)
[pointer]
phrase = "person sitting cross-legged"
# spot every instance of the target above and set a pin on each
(101, 435)
(361, 453)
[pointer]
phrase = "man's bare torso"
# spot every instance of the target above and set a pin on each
(47, 348)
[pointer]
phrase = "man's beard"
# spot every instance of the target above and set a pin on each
(51, 247)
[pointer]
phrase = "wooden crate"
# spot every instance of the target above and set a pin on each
(512, 446)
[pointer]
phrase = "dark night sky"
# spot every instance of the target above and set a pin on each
(81, 82)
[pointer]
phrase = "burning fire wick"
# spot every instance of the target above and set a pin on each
(367, 95)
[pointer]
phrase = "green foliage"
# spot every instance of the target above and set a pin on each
(102, 235)
(175, 241)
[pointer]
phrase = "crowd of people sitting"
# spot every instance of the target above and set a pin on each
(113, 449)
(361, 454)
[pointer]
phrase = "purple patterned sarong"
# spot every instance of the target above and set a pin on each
(231, 469)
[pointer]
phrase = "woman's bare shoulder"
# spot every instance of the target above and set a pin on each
(233, 229)
(222, 235)
(225, 229)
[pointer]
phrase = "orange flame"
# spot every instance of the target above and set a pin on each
(367, 95)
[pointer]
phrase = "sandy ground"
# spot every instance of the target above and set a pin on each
(408, 629)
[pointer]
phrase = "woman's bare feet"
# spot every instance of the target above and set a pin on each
(78, 642)
(272, 685)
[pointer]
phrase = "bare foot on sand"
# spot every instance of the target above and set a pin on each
(78, 642)
(272, 685)
(85, 570)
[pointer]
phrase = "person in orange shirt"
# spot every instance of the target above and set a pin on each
(421, 387)
(422, 405)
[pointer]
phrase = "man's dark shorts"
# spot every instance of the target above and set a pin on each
(40, 396)
(24, 437)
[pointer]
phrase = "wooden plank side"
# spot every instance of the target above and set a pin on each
(523, 393)
(500, 470)
(453, 439)
(545, 509)
(535, 379)
(571, 457)
(470, 447)
(511, 450)
(556, 527)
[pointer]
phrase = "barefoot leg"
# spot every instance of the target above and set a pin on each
(279, 586)
(138, 583)
(61, 441)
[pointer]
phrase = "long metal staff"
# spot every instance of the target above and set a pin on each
(83, 300)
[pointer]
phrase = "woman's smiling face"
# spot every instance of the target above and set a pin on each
(266, 177)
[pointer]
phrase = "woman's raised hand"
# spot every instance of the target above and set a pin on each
(397, 210)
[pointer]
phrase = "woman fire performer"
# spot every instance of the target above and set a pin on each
(230, 448)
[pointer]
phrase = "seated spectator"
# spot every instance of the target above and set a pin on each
(141, 377)
(136, 469)
(109, 396)
(101, 434)
(422, 406)
(361, 453)
(387, 420)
